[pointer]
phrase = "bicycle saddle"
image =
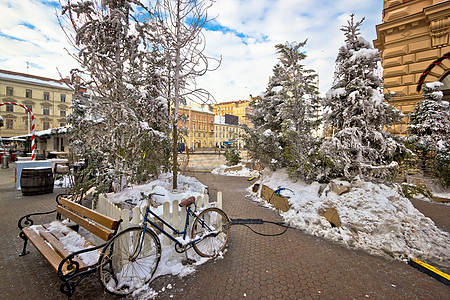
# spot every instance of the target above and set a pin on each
(188, 201)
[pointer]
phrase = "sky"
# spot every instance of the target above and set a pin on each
(244, 33)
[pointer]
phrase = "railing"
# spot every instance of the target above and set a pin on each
(172, 212)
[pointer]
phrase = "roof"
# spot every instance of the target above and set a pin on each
(58, 83)
(50, 131)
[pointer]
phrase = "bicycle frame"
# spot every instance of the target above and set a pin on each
(189, 213)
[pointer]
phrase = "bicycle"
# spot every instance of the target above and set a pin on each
(130, 259)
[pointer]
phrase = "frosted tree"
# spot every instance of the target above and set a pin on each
(121, 129)
(178, 26)
(429, 130)
(285, 116)
(356, 113)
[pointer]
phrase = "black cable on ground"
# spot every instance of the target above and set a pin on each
(246, 222)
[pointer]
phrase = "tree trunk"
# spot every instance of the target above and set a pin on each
(175, 156)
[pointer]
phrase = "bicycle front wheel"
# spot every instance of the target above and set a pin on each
(214, 225)
(129, 260)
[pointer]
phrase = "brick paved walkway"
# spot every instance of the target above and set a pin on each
(292, 266)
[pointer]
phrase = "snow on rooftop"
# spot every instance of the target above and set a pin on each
(49, 82)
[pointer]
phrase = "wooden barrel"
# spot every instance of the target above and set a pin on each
(36, 181)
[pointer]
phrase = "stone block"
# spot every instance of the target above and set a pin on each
(408, 79)
(420, 46)
(395, 71)
(410, 58)
(332, 216)
(339, 188)
(394, 81)
(395, 51)
(278, 202)
(392, 62)
(419, 67)
(429, 55)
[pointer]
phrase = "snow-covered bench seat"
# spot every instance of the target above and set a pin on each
(67, 252)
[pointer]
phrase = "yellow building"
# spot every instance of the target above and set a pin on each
(48, 99)
(239, 108)
(227, 134)
(412, 35)
(197, 126)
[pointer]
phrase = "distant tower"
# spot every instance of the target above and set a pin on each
(413, 33)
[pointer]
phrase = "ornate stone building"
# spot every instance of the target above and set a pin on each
(412, 35)
(48, 99)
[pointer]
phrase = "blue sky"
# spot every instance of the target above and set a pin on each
(244, 33)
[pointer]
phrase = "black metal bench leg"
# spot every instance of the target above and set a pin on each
(25, 241)
(68, 289)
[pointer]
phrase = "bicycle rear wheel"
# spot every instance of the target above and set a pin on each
(129, 260)
(214, 223)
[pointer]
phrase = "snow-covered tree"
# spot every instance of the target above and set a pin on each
(356, 114)
(284, 118)
(122, 131)
(178, 27)
(429, 130)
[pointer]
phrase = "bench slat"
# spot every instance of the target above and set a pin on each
(49, 254)
(59, 248)
(89, 213)
(102, 233)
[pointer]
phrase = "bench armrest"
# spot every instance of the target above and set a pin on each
(25, 221)
(72, 265)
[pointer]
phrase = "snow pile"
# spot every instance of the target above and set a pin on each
(374, 217)
(187, 186)
(244, 172)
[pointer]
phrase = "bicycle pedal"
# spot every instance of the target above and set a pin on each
(188, 261)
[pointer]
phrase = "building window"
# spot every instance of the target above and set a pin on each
(199, 134)
(46, 125)
(195, 117)
(9, 124)
(204, 118)
(46, 96)
(193, 126)
(204, 127)
(30, 107)
(62, 113)
(46, 111)
(9, 91)
(10, 107)
(29, 93)
(63, 97)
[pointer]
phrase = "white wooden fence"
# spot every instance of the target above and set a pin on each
(172, 213)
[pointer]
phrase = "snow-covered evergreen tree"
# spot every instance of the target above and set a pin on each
(356, 114)
(284, 118)
(122, 130)
(429, 130)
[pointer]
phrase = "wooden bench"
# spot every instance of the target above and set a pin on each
(51, 240)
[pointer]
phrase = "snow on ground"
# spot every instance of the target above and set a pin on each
(244, 172)
(374, 217)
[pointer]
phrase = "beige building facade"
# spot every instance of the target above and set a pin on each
(198, 126)
(228, 134)
(240, 108)
(413, 34)
(49, 100)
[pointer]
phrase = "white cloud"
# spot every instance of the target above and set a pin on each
(29, 31)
